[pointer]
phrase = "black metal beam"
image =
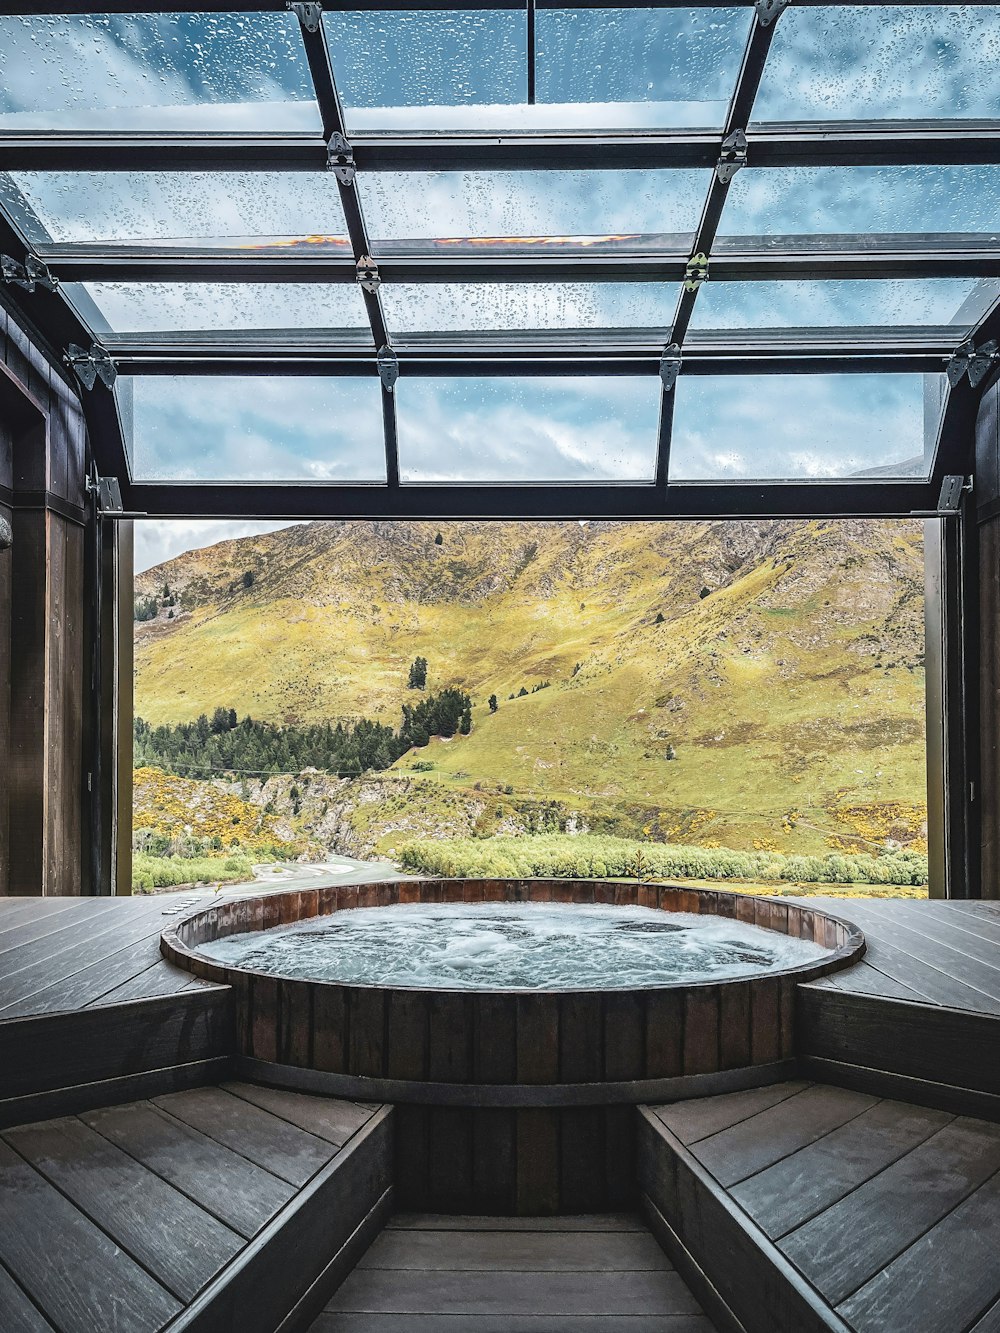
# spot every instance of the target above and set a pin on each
(119, 264)
(859, 498)
(841, 144)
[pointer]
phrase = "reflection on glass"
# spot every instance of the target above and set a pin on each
(522, 430)
(953, 303)
(627, 68)
(174, 307)
(452, 307)
(813, 427)
(429, 70)
(252, 428)
(235, 210)
(847, 201)
(532, 211)
(878, 62)
(226, 71)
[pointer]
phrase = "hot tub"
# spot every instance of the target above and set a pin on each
(514, 1097)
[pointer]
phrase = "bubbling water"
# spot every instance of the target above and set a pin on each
(514, 946)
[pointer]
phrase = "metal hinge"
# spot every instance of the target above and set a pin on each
(696, 272)
(388, 367)
(91, 364)
(973, 361)
(29, 275)
(670, 365)
(768, 10)
(367, 274)
(308, 14)
(733, 156)
(340, 158)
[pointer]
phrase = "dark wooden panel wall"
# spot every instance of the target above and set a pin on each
(44, 682)
(987, 495)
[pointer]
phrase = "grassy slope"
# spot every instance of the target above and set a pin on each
(797, 684)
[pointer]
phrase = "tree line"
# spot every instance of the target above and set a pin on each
(224, 743)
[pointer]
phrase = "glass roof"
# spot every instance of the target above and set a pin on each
(646, 244)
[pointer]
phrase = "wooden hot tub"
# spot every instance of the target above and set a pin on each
(513, 1101)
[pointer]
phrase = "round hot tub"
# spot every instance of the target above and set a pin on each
(513, 1022)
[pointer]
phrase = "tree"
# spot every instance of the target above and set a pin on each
(660, 618)
(248, 579)
(418, 674)
(438, 540)
(492, 701)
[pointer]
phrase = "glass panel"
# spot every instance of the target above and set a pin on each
(173, 307)
(155, 71)
(252, 428)
(954, 303)
(451, 306)
(877, 62)
(810, 201)
(518, 430)
(625, 68)
(781, 427)
(234, 210)
(423, 70)
(522, 212)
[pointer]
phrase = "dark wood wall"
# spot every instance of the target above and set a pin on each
(987, 494)
(44, 681)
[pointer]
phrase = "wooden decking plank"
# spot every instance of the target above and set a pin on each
(326, 1117)
(466, 1222)
(513, 1293)
(927, 942)
(437, 1323)
(944, 1282)
(935, 985)
(845, 1246)
(704, 1116)
(243, 1196)
(283, 1149)
(80, 987)
(94, 1285)
(521, 1251)
(18, 1314)
(749, 1147)
(787, 1194)
(180, 1244)
(89, 942)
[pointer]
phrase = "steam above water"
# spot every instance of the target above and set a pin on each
(514, 946)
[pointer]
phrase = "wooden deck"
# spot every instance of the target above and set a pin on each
(148, 1215)
(427, 1274)
(871, 1215)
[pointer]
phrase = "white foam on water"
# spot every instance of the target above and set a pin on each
(514, 946)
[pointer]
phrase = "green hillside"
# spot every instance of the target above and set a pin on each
(777, 704)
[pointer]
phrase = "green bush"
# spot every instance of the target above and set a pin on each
(564, 856)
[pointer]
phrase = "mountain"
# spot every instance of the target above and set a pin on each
(779, 700)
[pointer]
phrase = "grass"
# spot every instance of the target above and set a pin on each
(559, 856)
(170, 872)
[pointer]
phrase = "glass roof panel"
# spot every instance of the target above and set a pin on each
(430, 70)
(879, 62)
(956, 304)
(627, 68)
(811, 427)
(443, 307)
(532, 211)
(225, 71)
(226, 209)
(855, 201)
(174, 307)
(252, 428)
(527, 430)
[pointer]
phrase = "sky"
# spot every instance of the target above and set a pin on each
(610, 69)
